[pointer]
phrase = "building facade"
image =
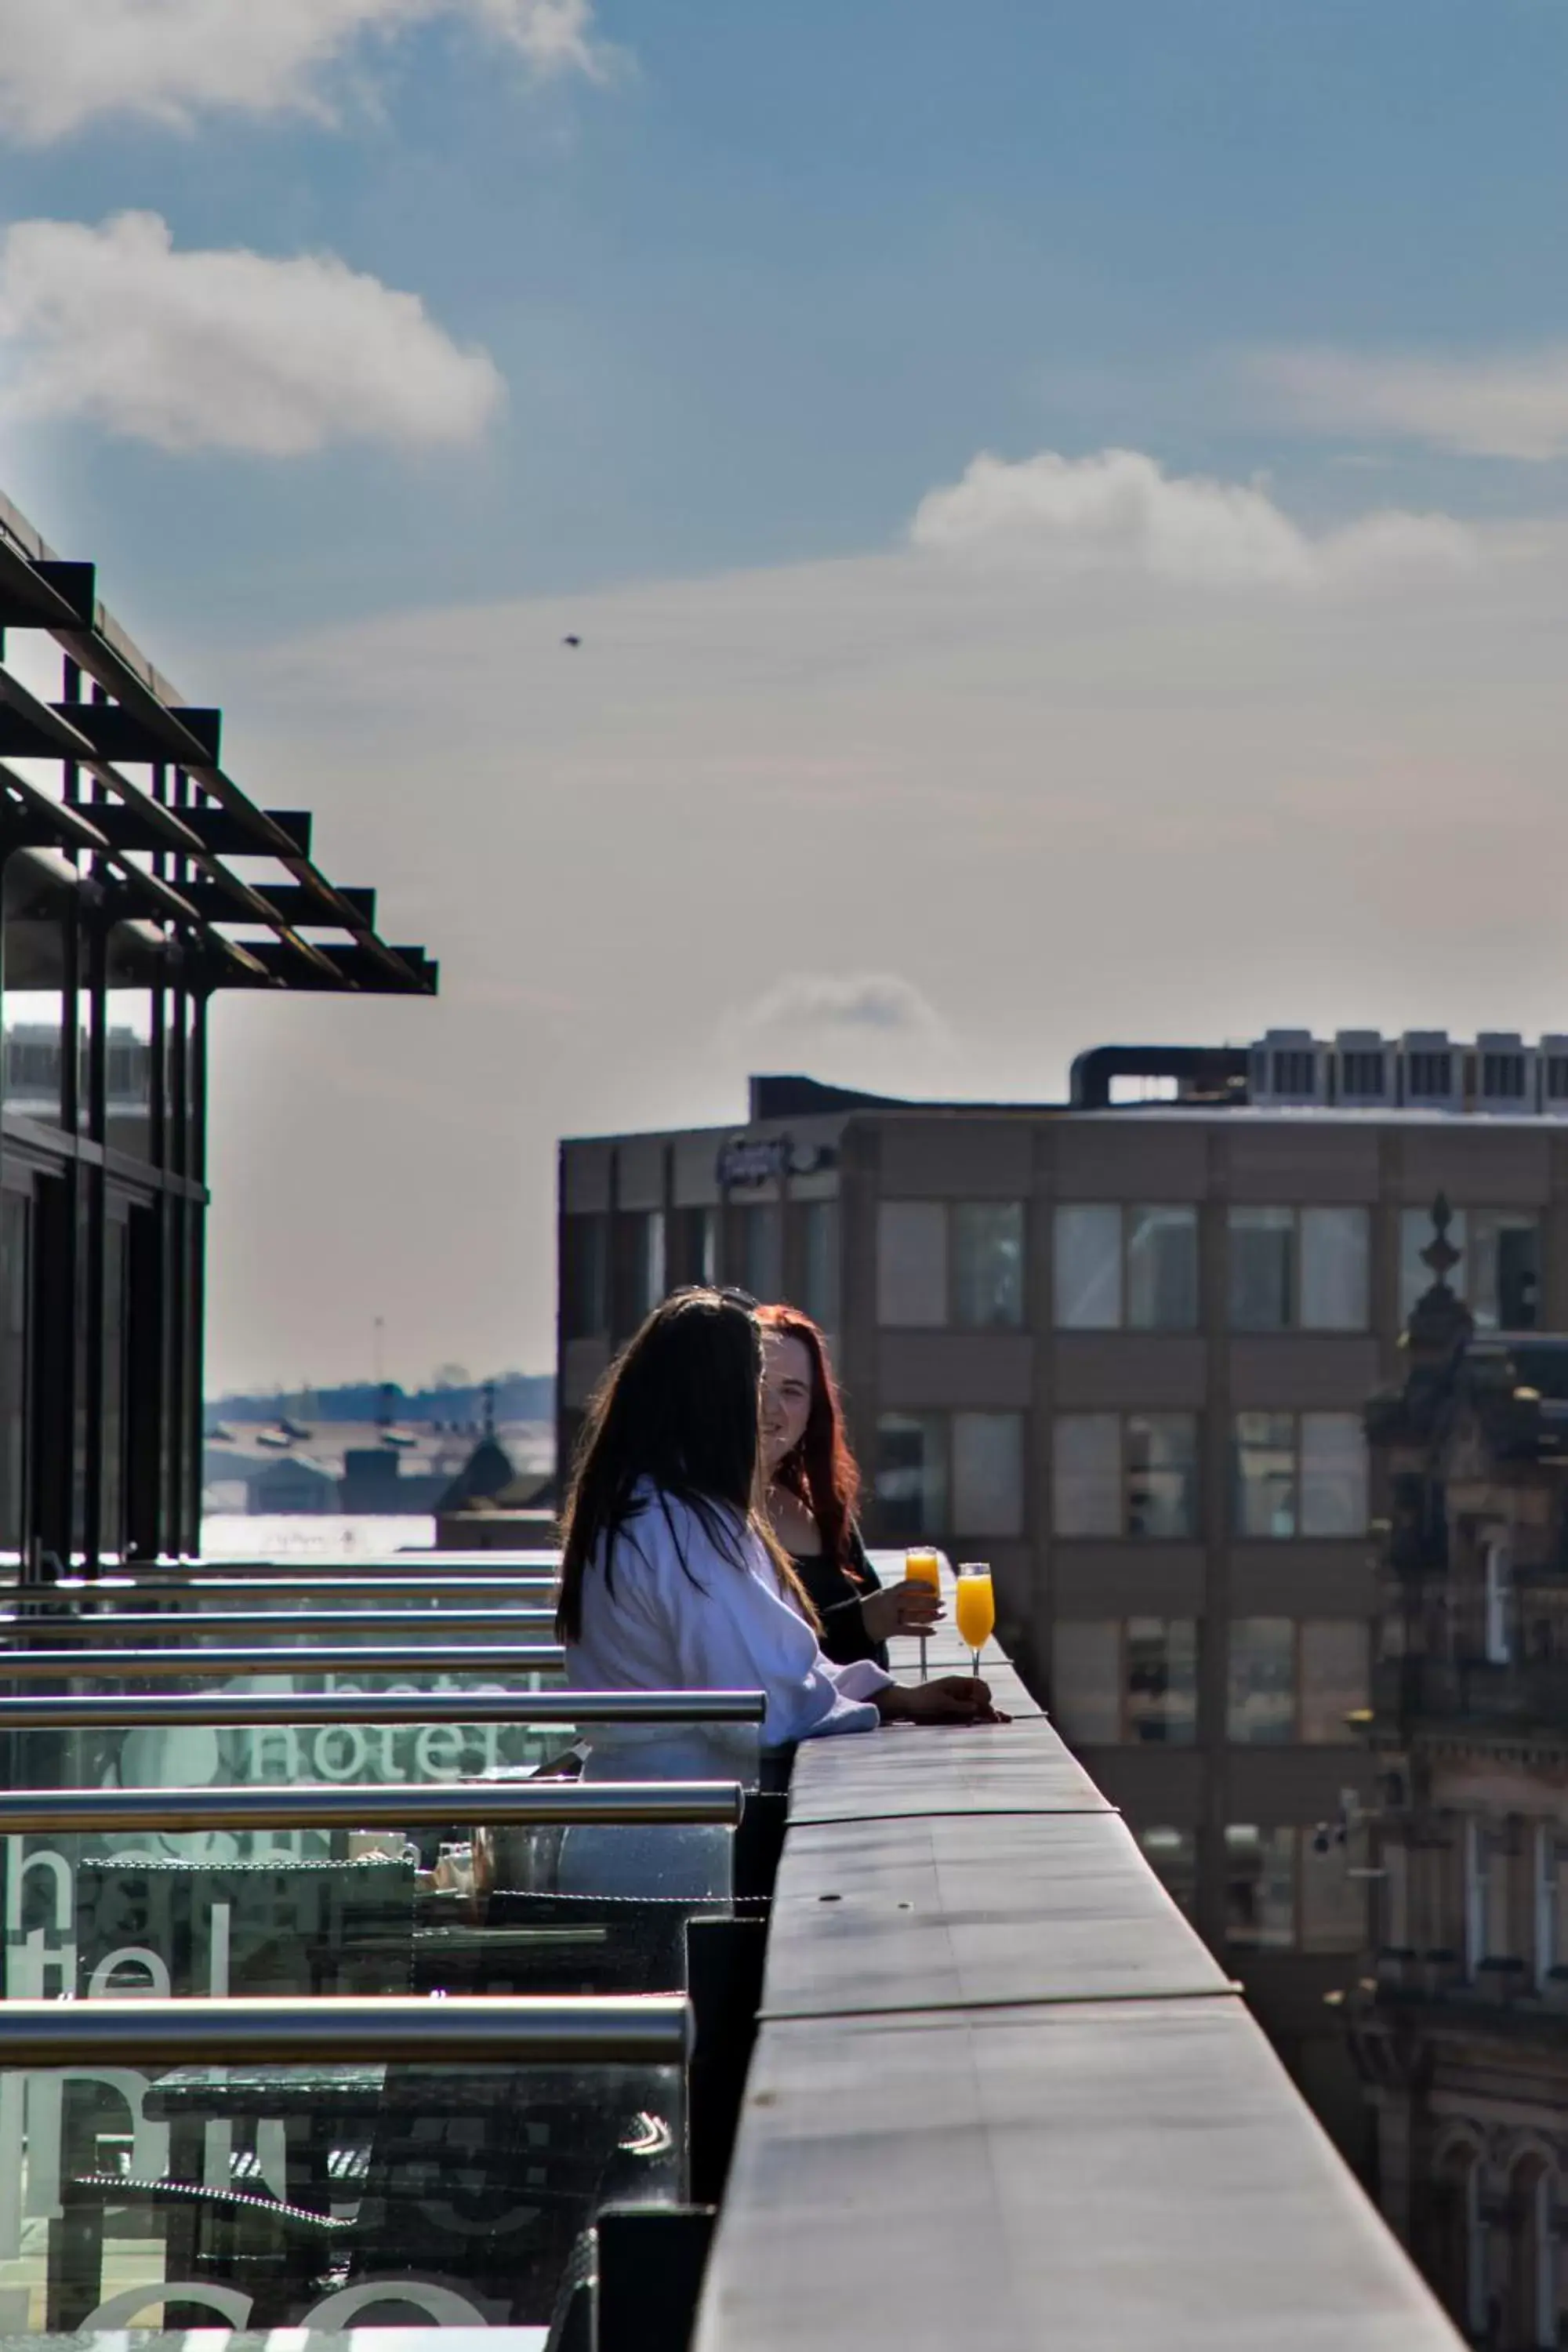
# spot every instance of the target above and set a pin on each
(122, 913)
(1461, 2025)
(1123, 1351)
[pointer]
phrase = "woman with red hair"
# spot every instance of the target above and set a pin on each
(813, 1487)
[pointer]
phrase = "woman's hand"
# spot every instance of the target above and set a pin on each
(951, 1698)
(909, 1608)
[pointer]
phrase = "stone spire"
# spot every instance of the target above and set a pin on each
(1441, 1323)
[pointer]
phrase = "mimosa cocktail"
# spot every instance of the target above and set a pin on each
(975, 1606)
(922, 1566)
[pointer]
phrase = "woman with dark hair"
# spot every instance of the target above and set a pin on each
(813, 1488)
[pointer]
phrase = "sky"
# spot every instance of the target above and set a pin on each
(1066, 511)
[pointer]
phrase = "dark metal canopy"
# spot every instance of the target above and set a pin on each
(167, 839)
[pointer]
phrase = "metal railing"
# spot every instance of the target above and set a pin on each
(127, 1711)
(130, 1590)
(169, 1666)
(249, 1622)
(528, 1804)
(482, 2029)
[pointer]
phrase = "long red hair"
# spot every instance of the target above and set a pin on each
(820, 1472)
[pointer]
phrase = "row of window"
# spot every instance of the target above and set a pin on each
(615, 1270)
(1280, 1893)
(1136, 1267)
(1119, 1475)
(1511, 1898)
(1125, 1682)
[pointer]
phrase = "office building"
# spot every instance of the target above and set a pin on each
(1121, 1346)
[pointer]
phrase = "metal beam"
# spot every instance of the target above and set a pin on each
(331, 1625)
(304, 1710)
(170, 1665)
(513, 1804)
(116, 733)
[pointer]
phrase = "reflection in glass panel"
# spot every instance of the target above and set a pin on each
(988, 1473)
(585, 1275)
(1086, 1475)
(35, 966)
(761, 1238)
(988, 1263)
(1260, 1887)
(1172, 1854)
(645, 1261)
(911, 1265)
(112, 1474)
(1087, 1266)
(1262, 1269)
(1333, 1475)
(16, 1284)
(1162, 1472)
(1333, 1676)
(1504, 1262)
(911, 1476)
(134, 965)
(1086, 1680)
(1265, 1474)
(1161, 1670)
(1260, 1704)
(1163, 1269)
(1415, 1235)
(1336, 1256)
(819, 1261)
(1334, 1904)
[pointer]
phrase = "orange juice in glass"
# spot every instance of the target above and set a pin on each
(975, 1606)
(922, 1566)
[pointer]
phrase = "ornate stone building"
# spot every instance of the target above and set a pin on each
(1462, 2029)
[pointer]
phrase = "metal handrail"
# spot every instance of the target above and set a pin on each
(247, 1622)
(128, 1591)
(475, 2029)
(525, 1805)
(125, 1711)
(168, 1666)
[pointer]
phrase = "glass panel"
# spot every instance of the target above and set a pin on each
(584, 1277)
(35, 965)
(1087, 1268)
(1163, 1680)
(16, 1269)
(1260, 1705)
(1336, 1247)
(988, 1473)
(1085, 1478)
(1333, 1475)
(1415, 1235)
(759, 1232)
(1504, 1262)
(1333, 1677)
(912, 1481)
(644, 1262)
(1086, 1681)
(1265, 1474)
(1172, 1854)
(988, 1263)
(819, 1261)
(1163, 1269)
(1260, 1887)
(1262, 1269)
(1161, 1457)
(133, 968)
(912, 1264)
(111, 1495)
(1334, 1904)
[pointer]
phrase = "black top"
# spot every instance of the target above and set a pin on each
(835, 1594)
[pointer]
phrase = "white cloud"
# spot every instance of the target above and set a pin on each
(1120, 510)
(807, 1003)
(1514, 406)
(64, 63)
(223, 350)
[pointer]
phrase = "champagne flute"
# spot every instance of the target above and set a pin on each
(975, 1606)
(922, 1566)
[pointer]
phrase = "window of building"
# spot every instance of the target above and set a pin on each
(911, 1476)
(758, 1236)
(133, 972)
(35, 965)
(988, 1473)
(1172, 1854)
(1259, 1887)
(641, 1246)
(1134, 1268)
(1299, 1269)
(1334, 1671)
(1118, 1682)
(693, 1245)
(584, 1277)
(1260, 1708)
(1548, 1946)
(1499, 1273)
(819, 1261)
(1332, 1909)
(1125, 1474)
(988, 1264)
(1299, 1474)
(911, 1265)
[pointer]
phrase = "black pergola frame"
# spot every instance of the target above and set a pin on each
(109, 1460)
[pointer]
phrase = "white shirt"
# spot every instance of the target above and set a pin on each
(709, 1626)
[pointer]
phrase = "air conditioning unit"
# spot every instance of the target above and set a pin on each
(1551, 1075)
(1431, 1071)
(1505, 1073)
(1365, 1071)
(1289, 1065)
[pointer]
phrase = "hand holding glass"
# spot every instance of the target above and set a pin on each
(922, 1566)
(975, 1606)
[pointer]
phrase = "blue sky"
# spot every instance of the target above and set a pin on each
(721, 308)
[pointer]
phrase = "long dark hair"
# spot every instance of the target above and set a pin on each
(820, 1472)
(679, 1408)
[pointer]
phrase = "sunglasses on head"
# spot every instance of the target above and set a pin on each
(724, 1291)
